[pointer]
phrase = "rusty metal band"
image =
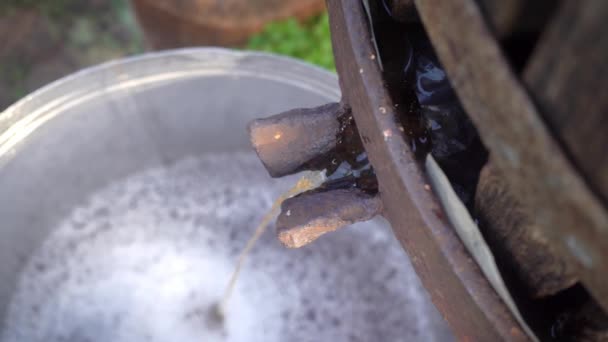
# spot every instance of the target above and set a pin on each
(453, 279)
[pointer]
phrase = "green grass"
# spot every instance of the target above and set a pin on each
(309, 41)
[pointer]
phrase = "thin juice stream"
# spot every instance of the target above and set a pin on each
(309, 181)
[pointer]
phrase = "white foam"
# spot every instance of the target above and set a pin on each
(146, 258)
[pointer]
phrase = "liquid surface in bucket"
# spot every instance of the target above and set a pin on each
(309, 181)
(147, 257)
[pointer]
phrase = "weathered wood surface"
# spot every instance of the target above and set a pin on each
(568, 78)
(509, 229)
(567, 212)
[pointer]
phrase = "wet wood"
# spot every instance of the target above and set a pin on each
(521, 146)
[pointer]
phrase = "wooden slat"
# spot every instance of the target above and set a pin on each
(568, 78)
(521, 146)
(502, 14)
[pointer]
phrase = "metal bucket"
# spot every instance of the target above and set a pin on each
(80, 135)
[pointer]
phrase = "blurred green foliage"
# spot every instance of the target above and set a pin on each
(309, 41)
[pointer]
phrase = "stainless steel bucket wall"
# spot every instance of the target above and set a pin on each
(76, 135)
(64, 144)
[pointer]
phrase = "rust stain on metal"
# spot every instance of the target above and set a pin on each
(469, 304)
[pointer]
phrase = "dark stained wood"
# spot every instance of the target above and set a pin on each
(509, 229)
(508, 17)
(402, 10)
(587, 323)
(502, 14)
(453, 279)
(521, 146)
(568, 78)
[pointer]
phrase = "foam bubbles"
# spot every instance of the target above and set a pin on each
(147, 257)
